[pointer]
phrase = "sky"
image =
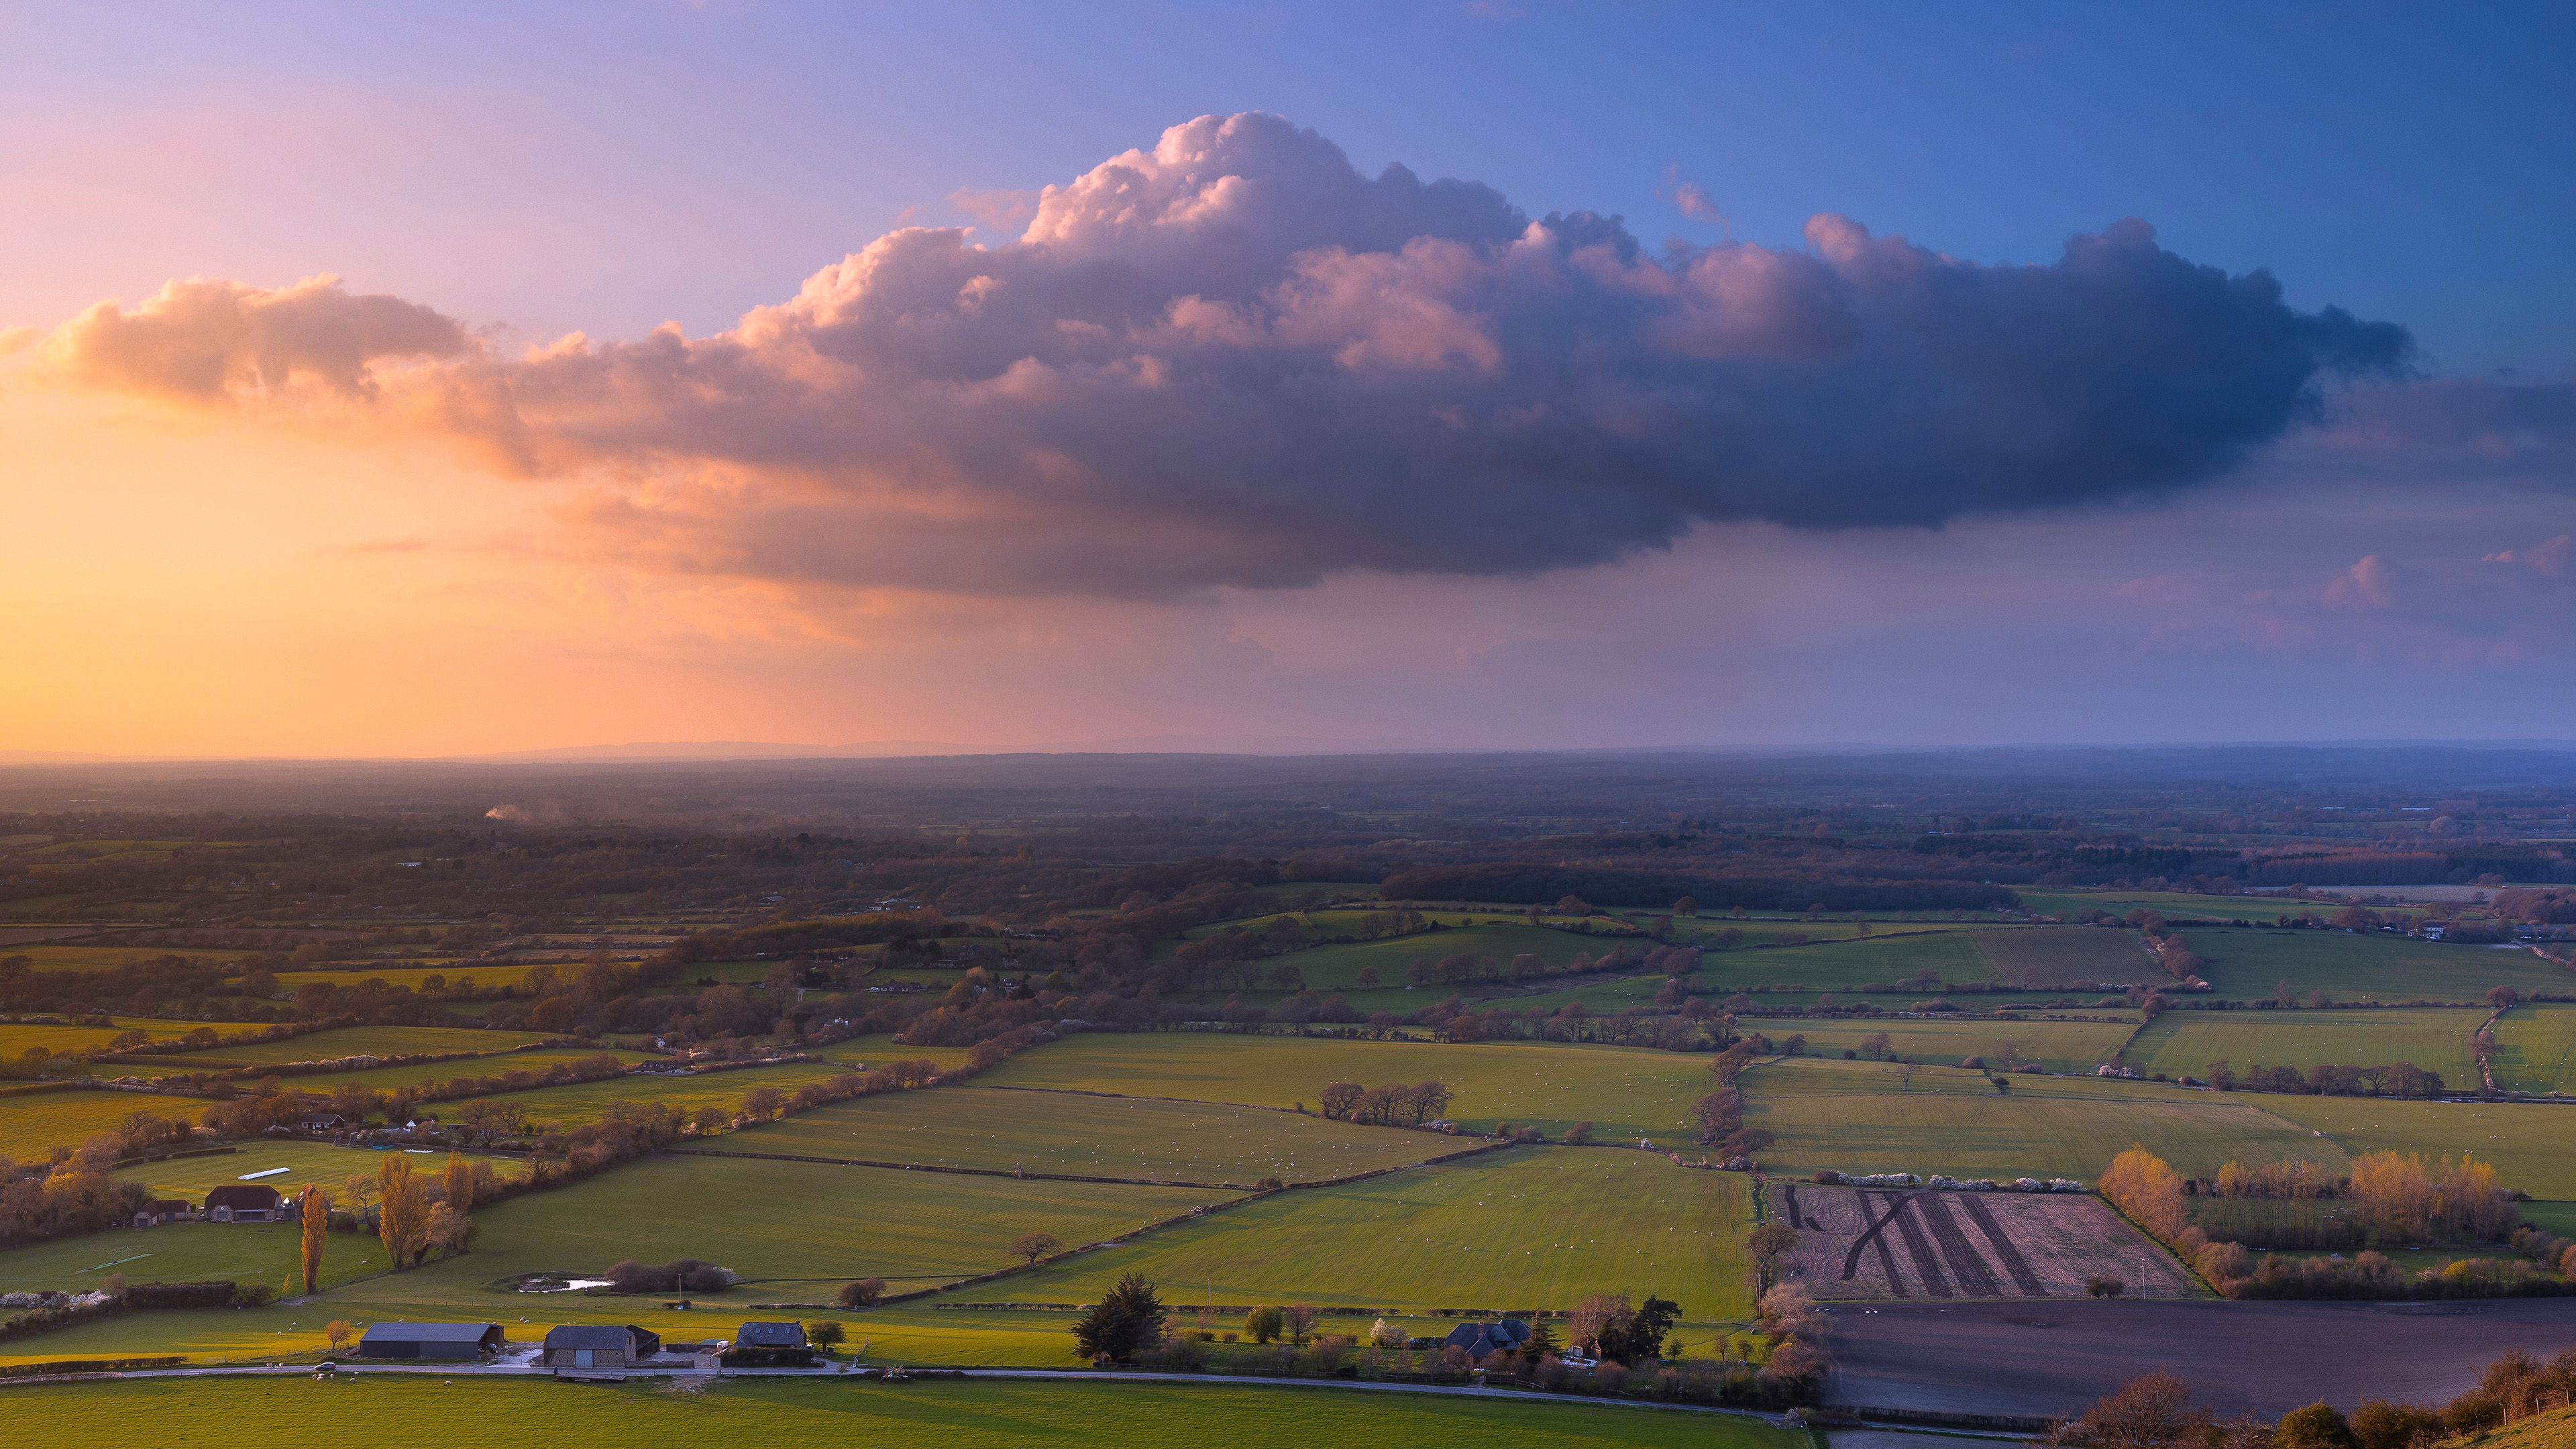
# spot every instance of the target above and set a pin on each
(396, 381)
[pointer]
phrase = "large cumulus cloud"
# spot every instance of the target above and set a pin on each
(1233, 359)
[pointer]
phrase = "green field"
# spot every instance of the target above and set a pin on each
(488, 977)
(1867, 1117)
(1625, 1092)
(296, 1413)
(2175, 905)
(33, 1125)
(49, 956)
(313, 1162)
(2058, 1046)
(1842, 965)
(1061, 1132)
(17, 1037)
(583, 1103)
(2048, 956)
(2532, 1144)
(419, 1074)
(2185, 1042)
(881, 1049)
(1528, 1227)
(2535, 1049)
(1337, 968)
(183, 1253)
(374, 1041)
(2249, 965)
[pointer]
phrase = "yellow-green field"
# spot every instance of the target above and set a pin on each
(55, 956)
(583, 1103)
(487, 977)
(1527, 1227)
(881, 1049)
(1868, 1117)
(1062, 1132)
(2058, 1046)
(307, 1162)
(2536, 1049)
(1883, 959)
(2532, 1144)
(17, 1037)
(2249, 965)
(2051, 956)
(32, 1126)
(374, 1041)
(182, 1253)
(417, 1074)
(2183, 1043)
(1625, 1092)
(297, 1413)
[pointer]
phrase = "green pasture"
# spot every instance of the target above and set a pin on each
(2181, 1043)
(1625, 1092)
(2177, 905)
(298, 1413)
(2535, 1049)
(2249, 965)
(318, 1163)
(376, 1041)
(582, 1103)
(1337, 968)
(17, 1038)
(486, 976)
(798, 1230)
(2045, 957)
(31, 1126)
(267, 1253)
(1525, 1227)
(421, 1074)
(1883, 959)
(2058, 1046)
(1063, 1132)
(2532, 1144)
(2556, 1217)
(1870, 1117)
(881, 1049)
(53, 956)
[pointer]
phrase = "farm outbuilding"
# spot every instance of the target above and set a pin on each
(163, 1210)
(599, 1345)
(769, 1345)
(430, 1340)
(243, 1203)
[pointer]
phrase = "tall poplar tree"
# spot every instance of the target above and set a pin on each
(459, 1183)
(317, 1223)
(402, 1209)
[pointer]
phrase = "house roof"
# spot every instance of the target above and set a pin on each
(427, 1332)
(238, 1195)
(1484, 1338)
(772, 1335)
(589, 1335)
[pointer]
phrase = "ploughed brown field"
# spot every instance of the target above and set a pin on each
(1883, 1243)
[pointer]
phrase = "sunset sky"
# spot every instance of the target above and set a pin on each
(412, 381)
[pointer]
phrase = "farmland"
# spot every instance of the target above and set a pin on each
(1527, 1227)
(2048, 956)
(2535, 1049)
(68, 957)
(1625, 1092)
(1842, 965)
(297, 1414)
(1868, 1117)
(1336, 968)
(484, 976)
(2533, 1145)
(374, 1041)
(1058, 1132)
(1854, 1243)
(2250, 965)
(2187, 1042)
(18, 1038)
(582, 1103)
(306, 1162)
(418, 1074)
(31, 1125)
(183, 1253)
(2057, 1046)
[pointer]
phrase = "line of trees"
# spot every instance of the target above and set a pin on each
(1392, 1103)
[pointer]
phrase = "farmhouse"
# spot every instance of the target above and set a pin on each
(430, 1340)
(599, 1345)
(163, 1210)
(769, 1345)
(1480, 1339)
(242, 1203)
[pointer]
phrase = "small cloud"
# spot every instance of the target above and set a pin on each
(1000, 210)
(2549, 558)
(2369, 583)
